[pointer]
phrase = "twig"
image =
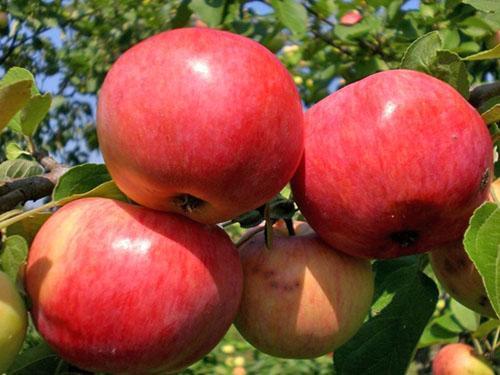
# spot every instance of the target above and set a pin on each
(25, 189)
(481, 94)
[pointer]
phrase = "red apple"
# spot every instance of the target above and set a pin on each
(393, 165)
(13, 322)
(301, 298)
(459, 359)
(200, 122)
(351, 18)
(460, 278)
(121, 288)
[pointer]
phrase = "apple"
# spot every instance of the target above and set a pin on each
(13, 322)
(393, 165)
(351, 18)
(459, 359)
(301, 298)
(201, 122)
(460, 278)
(121, 288)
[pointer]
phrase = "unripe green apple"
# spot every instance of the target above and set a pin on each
(13, 322)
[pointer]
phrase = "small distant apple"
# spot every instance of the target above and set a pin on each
(351, 18)
(119, 288)
(301, 298)
(460, 359)
(13, 322)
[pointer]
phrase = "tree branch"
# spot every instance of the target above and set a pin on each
(481, 94)
(21, 190)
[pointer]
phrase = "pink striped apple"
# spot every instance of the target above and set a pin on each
(393, 165)
(200, 122)
(124, 289)
(301, 298)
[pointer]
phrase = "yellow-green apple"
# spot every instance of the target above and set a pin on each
(201, 122)
(124, 289)
(13, 322)
(393, 165)
(459, 359)
(301, 298)
(460, 278)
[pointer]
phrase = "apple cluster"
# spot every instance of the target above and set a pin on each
(198, 126)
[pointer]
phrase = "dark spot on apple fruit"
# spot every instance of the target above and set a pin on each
(484, 301)
(405, 238)
(188, 202)
(484, 179)
(454, 266)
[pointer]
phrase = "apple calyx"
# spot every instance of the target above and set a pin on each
(187, 202)
(405, 238)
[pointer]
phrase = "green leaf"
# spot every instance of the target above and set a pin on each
(29, 226)
(426, 55)
(292, 14)
(14, 151)
(14, 253)
(482, 244)
(492, 114)
(467, 318)
(486, 328)
(450, 68)
(493, 53)
(18, 168)
(438, 332)
(182, 15)
(31, 356)
(12, 98)
(485, 5)
(80, 179)
(27, 120)
(105, 190)
(17, 74)
(385, 344)
(421, 54)
(449, 323)
(209, 11)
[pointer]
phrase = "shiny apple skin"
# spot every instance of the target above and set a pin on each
(301, 298)
(459, 359)
(393, 165)
(124, 289)
(201, 122)
(13, 322)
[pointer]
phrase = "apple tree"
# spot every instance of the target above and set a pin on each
(54, 58)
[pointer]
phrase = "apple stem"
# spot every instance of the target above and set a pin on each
(289, 227)
(268, 228)
(496, 343)
(477, 345)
